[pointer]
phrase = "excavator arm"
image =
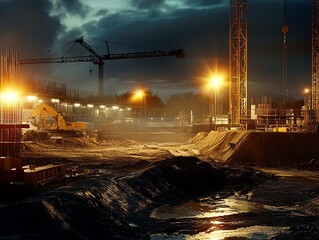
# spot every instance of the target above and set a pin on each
(42, 110)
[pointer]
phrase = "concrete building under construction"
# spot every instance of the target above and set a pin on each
(11, 169)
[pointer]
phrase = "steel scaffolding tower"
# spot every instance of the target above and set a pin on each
(238, 60)
(315, 57)
(284, 30)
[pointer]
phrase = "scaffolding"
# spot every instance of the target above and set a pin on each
(50, 89)
(10, 110)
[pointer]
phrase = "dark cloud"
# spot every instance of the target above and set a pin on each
(27, 26)
(203, 33)
(197, 31)
(102, 12)
(148, 4)
(74, 7)
(205, 2)
(200, 28)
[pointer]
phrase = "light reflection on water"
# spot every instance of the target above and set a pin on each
(217, 208)
(224, 207)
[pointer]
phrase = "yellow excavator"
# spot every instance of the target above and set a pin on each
(43, 110)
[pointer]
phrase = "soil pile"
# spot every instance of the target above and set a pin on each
(105, 206)
(259, 148)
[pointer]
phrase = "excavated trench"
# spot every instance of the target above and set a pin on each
(128, 190)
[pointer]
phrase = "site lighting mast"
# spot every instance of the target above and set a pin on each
(238, 60)
(315, 58)
(99, 59)
(215, 82)
(141, 95)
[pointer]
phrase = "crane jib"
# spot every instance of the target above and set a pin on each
(99, 59)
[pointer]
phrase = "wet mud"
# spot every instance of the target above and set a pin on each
(137, 191)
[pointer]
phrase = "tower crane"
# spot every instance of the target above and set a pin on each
(238, 62)
(284, 30)
(99, 59)
(315, 58)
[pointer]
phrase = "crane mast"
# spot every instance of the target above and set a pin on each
(284, 30)
(238, 60)
(315, 58)
(99, 59)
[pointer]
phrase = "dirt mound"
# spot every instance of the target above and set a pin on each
(177, 176)
(61, 143)
(217, 145)
(104, 206)
(259, 148)
(199, 137)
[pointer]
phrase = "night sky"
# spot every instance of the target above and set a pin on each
(42, 28)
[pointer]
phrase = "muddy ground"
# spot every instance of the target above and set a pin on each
(133, 190)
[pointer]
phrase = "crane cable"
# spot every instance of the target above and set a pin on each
(53, 49)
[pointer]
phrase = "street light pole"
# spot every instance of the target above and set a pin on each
(141, 96)
(215, 107)
(214, 82)
(210, 114)
(144, 98)
(306, 92)
(307, 106)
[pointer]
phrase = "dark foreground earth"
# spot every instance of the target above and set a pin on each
(158, 192)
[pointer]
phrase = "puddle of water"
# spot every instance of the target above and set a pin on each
(210, 208)
(253, 232)
(224, 207)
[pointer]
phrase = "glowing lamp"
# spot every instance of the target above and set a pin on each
(215, 81)
(31, 98)
(9, 96)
